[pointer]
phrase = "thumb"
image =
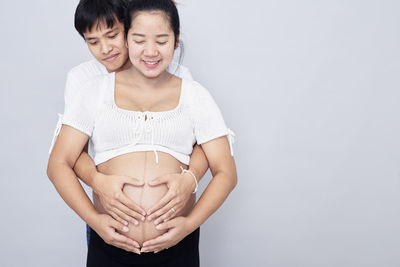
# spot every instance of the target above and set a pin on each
(164, 226)
(157, 181)
(133, 181)
(169, 224)
(117, 225)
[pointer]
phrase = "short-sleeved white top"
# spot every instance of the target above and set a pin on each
(114, 131)
(84, 72)
(79, 75)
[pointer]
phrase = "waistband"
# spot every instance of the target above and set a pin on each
(187, 245)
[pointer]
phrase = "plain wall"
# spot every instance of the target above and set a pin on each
(311, 89)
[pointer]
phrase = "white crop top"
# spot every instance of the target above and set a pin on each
(114, 131)
(84, 72)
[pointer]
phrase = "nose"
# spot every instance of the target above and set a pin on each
(150, 50)
(105, 47)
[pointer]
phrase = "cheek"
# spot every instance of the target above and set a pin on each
(168, 51)
(134, 51)
(120, 44)
(95, 52)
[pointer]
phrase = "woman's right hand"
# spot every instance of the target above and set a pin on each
(106, 227)
(114, 201)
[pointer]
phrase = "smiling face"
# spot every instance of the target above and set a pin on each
(151, 43)
(107, 45)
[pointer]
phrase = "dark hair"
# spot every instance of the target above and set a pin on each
(91, 12)
(166, 6)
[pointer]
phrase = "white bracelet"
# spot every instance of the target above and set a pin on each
(194, 177)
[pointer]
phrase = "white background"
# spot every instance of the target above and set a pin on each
(311, 89)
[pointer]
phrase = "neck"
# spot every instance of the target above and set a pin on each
(126, 66)
(137, 79)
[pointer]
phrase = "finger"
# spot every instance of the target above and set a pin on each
(160, 208)
(117, 225)
(132, 208)
(117, 237)
(157, 247)
(166, 242)
(129, 243)
(152, 249)
(117, 218)
(165, 225)
(125, 217)
(128, 214)
(125, 247)
(133, 181)
(156, 250)
(166, 216)
(121, 238)
(168, 211)
(157, 241)
(159, 180)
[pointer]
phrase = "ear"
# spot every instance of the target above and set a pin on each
(126, 43)
(177, 41)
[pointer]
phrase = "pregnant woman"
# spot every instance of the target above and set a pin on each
(143, 123)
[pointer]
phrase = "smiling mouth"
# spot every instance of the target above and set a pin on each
(111, 58)
(151, 64)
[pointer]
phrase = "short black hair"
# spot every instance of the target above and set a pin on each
(91, 12)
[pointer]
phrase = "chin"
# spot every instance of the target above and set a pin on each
(110, 68)
(151, 74)
(115, 66)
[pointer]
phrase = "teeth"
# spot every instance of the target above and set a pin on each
(151, 63)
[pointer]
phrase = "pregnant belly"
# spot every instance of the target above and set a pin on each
(142, 166)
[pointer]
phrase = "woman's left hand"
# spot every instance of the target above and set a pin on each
(180, 188)
(178, 228)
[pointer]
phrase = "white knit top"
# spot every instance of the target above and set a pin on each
(84, 72)
(115, 131)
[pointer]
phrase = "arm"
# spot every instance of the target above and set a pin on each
(223, 169)
(180, 188)
(67, 148)
(109, 190)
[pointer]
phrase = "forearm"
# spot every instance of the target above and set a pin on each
(198, 162)
(85, 169)
(212, 198)
(69, 188)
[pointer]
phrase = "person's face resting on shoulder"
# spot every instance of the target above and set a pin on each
(151, 43)
(107, 45)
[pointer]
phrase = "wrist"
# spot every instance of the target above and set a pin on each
(189, 180)
(93, 219)
(195, 173)
(191, 224)
(193, 178)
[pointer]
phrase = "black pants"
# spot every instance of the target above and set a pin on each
(185, 254)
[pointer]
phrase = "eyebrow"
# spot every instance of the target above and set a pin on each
(111, 30)
(158, 35)
(108, 32)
